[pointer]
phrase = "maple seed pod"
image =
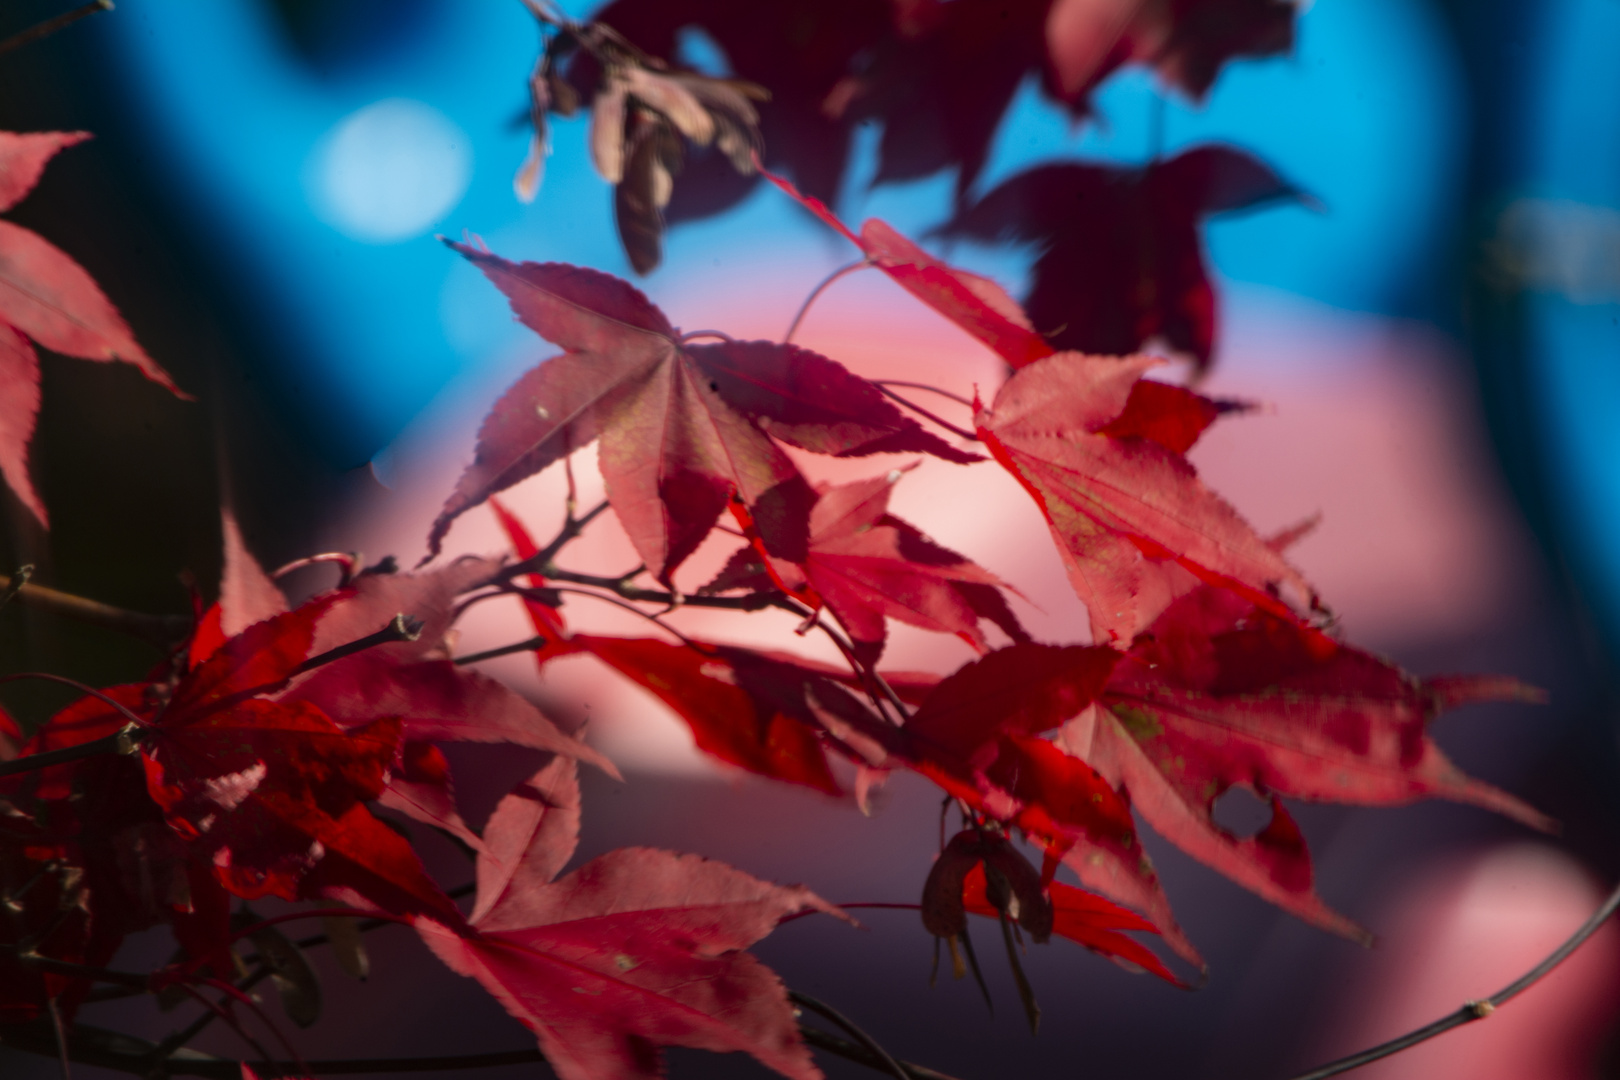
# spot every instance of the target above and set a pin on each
(943, 913)
(343, 931)
(1013, 885)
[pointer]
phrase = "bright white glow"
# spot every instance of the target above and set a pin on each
(390, 171)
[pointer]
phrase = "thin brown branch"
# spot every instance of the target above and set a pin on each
(348, 563)
(60, 1031)
(402, 628)
(540, 561)
(859, 1054)
(120, 742)
(45, 676)
(962, 433)
(18, 580)
(161, 630)
(930, 387)
(624, 590)
(888, 1063)
(607, 598)
(821, 287)
(876, 683)
(1474, 1010)
(536, 642)
(50, 26)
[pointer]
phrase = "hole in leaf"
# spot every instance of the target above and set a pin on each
(1241, 812)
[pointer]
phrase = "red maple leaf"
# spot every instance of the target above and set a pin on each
(274, 792)
(1084, 918)
(977, 736)
(943, 82)
(750, 710)
(1083, 434)
(434, 700)
(46, 296)
(635, 950)
(684, 427)
(1122, 260)
(938, 75)
(246, 595)
(411, 681)
(1219, 694)
(769, 713)
(1185, 41)
(868, 566)
(975, 303)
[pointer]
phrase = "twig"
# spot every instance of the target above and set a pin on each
(871, 1044)
(181, 1038)
(1474, 1010)
(859, 1054)
(804, 308)
(120, 742)
(348, 562)
(18, 580)
(540, 561)
(61, 1037)
(920, 411)
(958, 398)
(627, 606)
(161, 630)
(721, 334)
(536, 642)
(402, 628)
(46, 676)
(50, 26)
(621, 588)
(868, 675)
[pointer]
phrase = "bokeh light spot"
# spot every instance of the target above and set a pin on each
(388, 172)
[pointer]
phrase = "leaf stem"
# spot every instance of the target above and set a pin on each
(61, 1037)
(348, 561)
(161, 630)
(871, 1044)
(867, 675)
(816, 292)
(50, 26)
(621, 588)
(962, 433)
(536, 642)
(1474, 1010)
(627, 606)
(401, 628)
(80, 687)
(18, 580)
(540, 561)
(958, 398)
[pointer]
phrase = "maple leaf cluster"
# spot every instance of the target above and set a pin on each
(288, 751)
(1120, 262)
(1210, 666)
